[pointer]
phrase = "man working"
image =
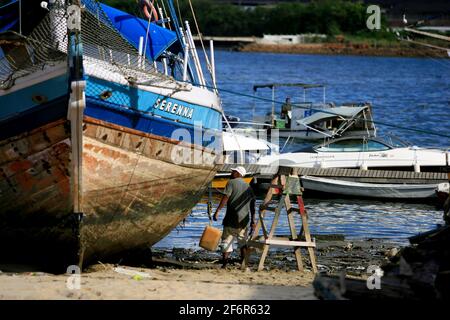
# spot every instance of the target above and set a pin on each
(240, 201)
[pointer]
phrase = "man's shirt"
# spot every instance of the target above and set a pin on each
(240, 196)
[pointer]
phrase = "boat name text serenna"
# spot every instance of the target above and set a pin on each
(174, 108)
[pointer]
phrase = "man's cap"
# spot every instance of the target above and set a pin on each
(240, 170)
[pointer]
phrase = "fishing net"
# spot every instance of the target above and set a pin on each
(22, 55)
(106, 53)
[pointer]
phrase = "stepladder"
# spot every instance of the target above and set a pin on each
(284, 188)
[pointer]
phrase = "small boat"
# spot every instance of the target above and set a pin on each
(242, 149)
(313, 121)
(389, 153)
(246, 148)
(368, 190)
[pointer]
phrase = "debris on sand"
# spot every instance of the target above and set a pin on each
(419, 271)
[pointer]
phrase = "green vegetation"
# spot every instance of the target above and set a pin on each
(331, 17)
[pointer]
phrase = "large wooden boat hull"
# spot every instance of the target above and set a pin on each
(133, 193)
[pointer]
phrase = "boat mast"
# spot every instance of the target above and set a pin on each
(77, 100)
(273, 104)
(213, 65)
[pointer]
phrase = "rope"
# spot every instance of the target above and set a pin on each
(148, 29)
(179, 12)
(165, 14)
(201, 39)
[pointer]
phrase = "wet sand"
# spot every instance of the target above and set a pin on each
(196, 274)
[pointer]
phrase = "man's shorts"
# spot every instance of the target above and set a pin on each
(229, 235)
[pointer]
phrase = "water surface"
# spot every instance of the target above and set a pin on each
(406, 92)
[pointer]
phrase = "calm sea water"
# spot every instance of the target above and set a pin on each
(406, 92)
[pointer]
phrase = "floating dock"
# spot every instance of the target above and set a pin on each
(373, 176)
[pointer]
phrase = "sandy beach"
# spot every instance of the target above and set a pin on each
(102, 282)
(179, 274)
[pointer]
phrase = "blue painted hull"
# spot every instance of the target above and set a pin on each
(21, 112)
(147, 111)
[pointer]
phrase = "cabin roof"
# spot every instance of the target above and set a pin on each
(236, 142)
(300, 85)
(344, 112)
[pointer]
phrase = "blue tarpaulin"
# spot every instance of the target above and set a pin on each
(132, 28)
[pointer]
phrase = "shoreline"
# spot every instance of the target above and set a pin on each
(345, 49)
(179, 274)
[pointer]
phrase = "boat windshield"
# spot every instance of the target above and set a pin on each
(353, 145)
(395, 142)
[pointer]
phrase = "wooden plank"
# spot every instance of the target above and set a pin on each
(267, 199)
(305, 228)
(262, 225)
(271, 233)
(291, 243)
(297, 251)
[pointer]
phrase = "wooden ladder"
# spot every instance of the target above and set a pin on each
(287, 185)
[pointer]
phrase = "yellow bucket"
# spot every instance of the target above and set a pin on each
(210, 238)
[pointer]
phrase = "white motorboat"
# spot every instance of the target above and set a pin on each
(362, 153)
(369, 190)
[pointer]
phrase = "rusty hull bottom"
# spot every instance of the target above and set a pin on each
(133, 194)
